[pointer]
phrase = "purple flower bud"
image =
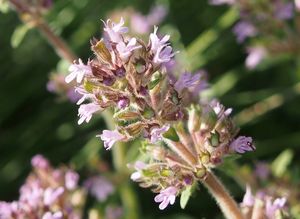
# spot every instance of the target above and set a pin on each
(99, 187)
(242, 144)
(40, 162)
(166, 197)
(109, 81)
(123, 103)
(110, 137)
(120, 72)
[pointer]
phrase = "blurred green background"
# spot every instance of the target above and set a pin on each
(32, 120)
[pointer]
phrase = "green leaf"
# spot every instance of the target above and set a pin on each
(185, 196)
(18, 35)
(171, 134)
(281, 163)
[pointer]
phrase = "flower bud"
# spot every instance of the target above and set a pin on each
(214, 139)
(201, 172)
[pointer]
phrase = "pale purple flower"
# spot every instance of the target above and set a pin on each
(249, 199)
(72, 95)
(262, 170)
(5, 210)
(284, 11)
(115, 30)
(221, 2)
(139, 166)
(157, 43)
(297, 5)
(86, 111)
(110, 138)
(56, 215)
(163, 54)
(31, 193)
(78, 71)
(51, 195)
(219, 109)
(192, 82)
(243, 30)
(39, 161)
(99, 187)
(51, 86)
(71, 179)
(156, 133)
(273, 207)
(166, 197)
(255, 56)
(126, 50)
(85, 95)
(242, 144)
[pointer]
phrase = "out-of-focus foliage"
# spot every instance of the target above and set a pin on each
(266, 101)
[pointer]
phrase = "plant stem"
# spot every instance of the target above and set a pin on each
(57, 42)
(128, 196)
(228, 206)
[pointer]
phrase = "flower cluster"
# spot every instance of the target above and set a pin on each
(183, 139)
(48, 193)
(263, 206)
(268, 26)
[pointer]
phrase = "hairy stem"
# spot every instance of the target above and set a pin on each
(228, 206)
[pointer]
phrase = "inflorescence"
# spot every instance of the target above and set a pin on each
(183, 137)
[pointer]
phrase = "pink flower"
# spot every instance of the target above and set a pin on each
(125, 51)
(110, 138)
(297, 4)
(166, 197)
(78, 71)
(85, 95)
(157, 43)
(249, 199)
(39, 161)
(5, 210)
(115, 31)
(139, 166)
(242, 144)
(273, 207)
(51, 195)
(86, 111)
(255, 55)
(99, 187)
(71, 179)
(219, 109)
(156, 133)
(56, 215)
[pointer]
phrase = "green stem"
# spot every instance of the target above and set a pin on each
(128, 196)
(228, 206)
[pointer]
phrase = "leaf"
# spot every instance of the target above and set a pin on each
(280, 164)
(18, 35)
(185, 196)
